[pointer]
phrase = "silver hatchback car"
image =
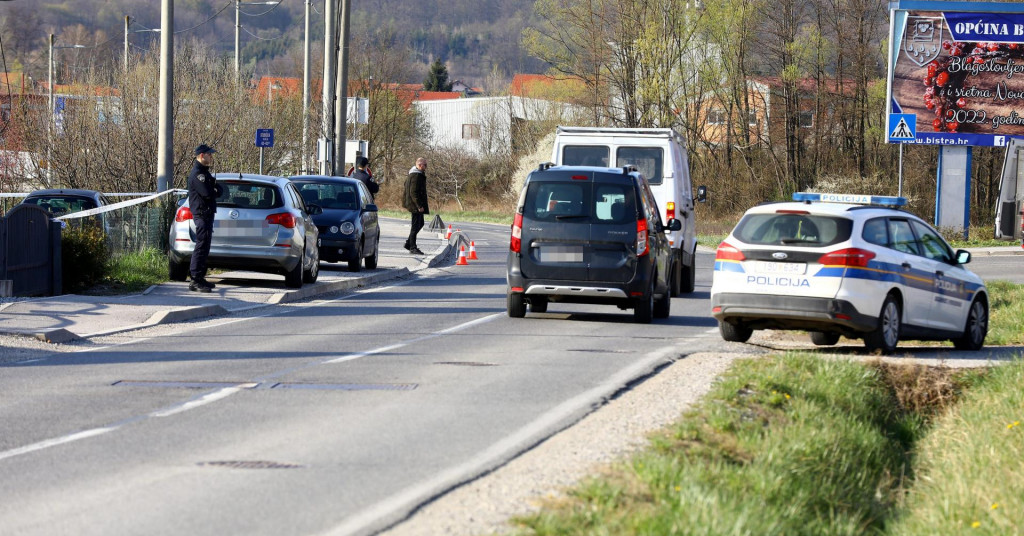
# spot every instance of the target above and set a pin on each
(262, 225)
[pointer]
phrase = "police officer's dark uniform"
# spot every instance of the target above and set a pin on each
(202, 201)
(364, 176)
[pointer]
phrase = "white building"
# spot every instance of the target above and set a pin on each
(482, 125)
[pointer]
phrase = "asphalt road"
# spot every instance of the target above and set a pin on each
(998, 267)
(335, 416)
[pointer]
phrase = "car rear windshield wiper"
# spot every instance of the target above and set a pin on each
(568, 216)
(799, 241)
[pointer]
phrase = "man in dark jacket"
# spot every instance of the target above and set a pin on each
(202, 201)
(415, 201)
(363, 174)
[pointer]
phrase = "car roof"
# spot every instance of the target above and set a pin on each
(829, 209)
(65, 191)
(324, 179)
(250, 177)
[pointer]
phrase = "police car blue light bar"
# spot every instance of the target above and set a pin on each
(853, 199)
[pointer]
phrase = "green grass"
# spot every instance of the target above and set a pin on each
(781, 445)
(456, 217)
(972, 463)
(1006, 314)
(132, 272)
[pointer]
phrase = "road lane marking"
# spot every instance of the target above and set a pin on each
(226, 392)
(56, 441)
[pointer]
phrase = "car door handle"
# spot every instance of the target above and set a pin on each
(939, 273)
(906, 266)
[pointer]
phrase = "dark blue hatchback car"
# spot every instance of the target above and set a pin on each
(348, 226)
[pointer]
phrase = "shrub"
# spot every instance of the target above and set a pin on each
(83, 256)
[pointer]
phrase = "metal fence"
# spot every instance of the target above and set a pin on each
(133, 223)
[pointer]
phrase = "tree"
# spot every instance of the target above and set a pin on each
(437, 77)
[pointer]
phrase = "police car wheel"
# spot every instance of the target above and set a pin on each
(733, 333)
(975, 329)
(516, 305)
(886, 334)
(824, 338)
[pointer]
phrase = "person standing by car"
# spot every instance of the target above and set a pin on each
(202, 201)
(415, 201)
(363, 174)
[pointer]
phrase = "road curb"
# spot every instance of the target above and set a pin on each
(345, 284)
(183, 314)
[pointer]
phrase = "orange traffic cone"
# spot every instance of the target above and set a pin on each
(472, 250)
(462, 257)
(448, 235)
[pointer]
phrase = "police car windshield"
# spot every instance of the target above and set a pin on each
(793, 229)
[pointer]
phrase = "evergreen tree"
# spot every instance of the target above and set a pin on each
(437, 77)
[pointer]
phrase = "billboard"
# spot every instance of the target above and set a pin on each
(956, 75)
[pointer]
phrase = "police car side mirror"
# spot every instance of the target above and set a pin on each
(963, 256)
(674, 225)
(702, 194)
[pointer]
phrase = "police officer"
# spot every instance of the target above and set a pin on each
(202, 201)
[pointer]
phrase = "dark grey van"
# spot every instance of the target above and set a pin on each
(589, 235)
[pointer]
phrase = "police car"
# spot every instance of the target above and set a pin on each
(850, 265)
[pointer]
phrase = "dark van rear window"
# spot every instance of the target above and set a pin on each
(793, 229)
(580, 202)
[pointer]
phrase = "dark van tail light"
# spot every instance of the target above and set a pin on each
(728, 252)
(516, 244)
(641, 238)
(284, 219)
(183, 214)
(847, 257)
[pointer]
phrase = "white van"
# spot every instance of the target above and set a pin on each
(659, 154)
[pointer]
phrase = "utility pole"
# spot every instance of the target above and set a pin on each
(127, 21)
(330, 58)
(305, 97)
(341, 118)
(165, 145)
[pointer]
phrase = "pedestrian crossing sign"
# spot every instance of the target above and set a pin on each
(902, 127)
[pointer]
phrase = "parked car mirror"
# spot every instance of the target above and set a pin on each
(370, 207)
(702, 194)
(963, 256)
(674, 225)
(314, 209)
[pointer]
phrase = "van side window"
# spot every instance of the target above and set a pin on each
(585, 155)
(649, 161)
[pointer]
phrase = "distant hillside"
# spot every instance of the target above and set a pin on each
(473, 37)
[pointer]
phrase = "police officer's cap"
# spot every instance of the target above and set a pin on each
(204, 148)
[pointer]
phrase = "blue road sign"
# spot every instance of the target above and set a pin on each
(902, 127)
(264, 137)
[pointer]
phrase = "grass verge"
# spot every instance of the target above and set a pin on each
(793, 444)
(132, 272)
(1006, 313)
(971, 463)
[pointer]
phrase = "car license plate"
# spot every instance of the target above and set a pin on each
(561, 254)
(765, 267)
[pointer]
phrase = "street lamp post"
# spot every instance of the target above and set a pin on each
(50, 120)
(238, 23)
(127, 22)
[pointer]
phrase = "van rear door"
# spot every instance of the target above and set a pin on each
(613, 231)
(556, 228)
